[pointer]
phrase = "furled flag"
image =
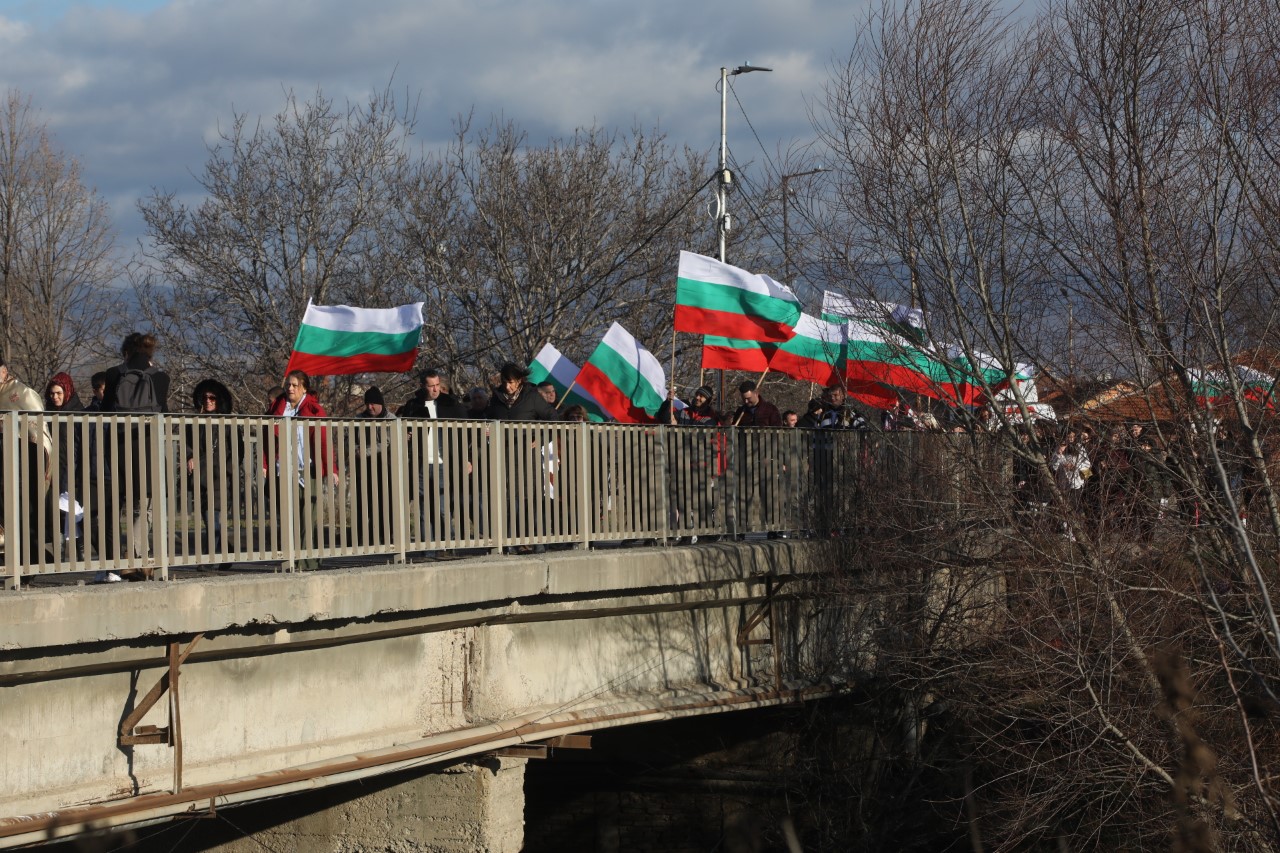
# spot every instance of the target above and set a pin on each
(906, 321)
(1214, 387)
(815, 354)
(625, 377)
(719, 353)
(888, 347)
(550, 365)
(713, 298)
(338, 340)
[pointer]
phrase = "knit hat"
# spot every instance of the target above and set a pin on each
(705, 391)
(373, 396)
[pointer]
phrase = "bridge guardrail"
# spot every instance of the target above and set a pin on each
(116, 493)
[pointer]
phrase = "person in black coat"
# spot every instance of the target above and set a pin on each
(138, 350)
(430, 450)
(431, 400)
(215, 452)
(516, 399)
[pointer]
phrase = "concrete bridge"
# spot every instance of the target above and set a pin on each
(125, 704)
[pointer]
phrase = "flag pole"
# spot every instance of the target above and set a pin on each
(673, 358)
(565, 395)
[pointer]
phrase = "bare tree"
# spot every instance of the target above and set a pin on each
(56, 250)
(514, 245)
(1119, 152)
(302, 209)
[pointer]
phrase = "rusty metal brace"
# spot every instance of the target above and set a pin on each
(767, 611)
(132, 734)
(761, 614)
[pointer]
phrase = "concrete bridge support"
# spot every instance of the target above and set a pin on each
(122, 706)
(474, 807)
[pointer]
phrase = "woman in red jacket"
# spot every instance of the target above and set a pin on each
(312, 469)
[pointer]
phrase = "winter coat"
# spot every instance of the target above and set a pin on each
(763, 414)
(528, 405)
(214, 448)
(309, 408)
(448, 407)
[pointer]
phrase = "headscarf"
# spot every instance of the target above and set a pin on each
(68, 390)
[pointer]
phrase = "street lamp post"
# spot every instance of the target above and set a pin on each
(786, 246)
(724, 177)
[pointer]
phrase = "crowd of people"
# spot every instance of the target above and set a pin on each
(119, 475)
(1131, 477)
(1125, 467)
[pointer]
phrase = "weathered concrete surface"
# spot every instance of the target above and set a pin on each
(64, 616)
(467, 808)
(306, 679)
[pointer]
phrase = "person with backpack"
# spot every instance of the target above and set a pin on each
(136, 387)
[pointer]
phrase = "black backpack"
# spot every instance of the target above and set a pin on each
(137, 391)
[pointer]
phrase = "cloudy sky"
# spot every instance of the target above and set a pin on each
(136, 89)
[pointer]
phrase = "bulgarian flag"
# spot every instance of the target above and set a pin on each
(906, 321)
(879, 357)
(713, 298)
(720, 353)
(549, 365)
(338, 340)
(625, 377)
(1215, 387)
(815, 354)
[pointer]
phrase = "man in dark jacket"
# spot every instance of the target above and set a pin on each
(138, 387)
(430, 450)
(756, 411)
(432, 401)
(757, 462)
(516, 399)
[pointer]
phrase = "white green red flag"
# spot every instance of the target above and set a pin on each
(550, 365)
(1216, 387)
(815, 354)
(720, 353)
(714, 298)
(625, 377)
(906, 321)
(339, 340)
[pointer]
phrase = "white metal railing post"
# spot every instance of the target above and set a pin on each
(13, 547)
(496, 491)
(286, 487)
(733, 471)
(589, 494)
(161, 546)
(400, 488)
(662, 473)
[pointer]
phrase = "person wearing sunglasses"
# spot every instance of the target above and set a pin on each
(215, 455)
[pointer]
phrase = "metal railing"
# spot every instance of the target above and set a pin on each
(91, 492)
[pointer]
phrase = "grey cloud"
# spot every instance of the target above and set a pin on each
(136, 97)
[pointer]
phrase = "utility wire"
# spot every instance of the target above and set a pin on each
(649, 238)
(772, 166)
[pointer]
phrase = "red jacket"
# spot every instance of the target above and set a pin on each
(310, 408)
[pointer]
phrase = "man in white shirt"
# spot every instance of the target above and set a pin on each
(427, 454)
